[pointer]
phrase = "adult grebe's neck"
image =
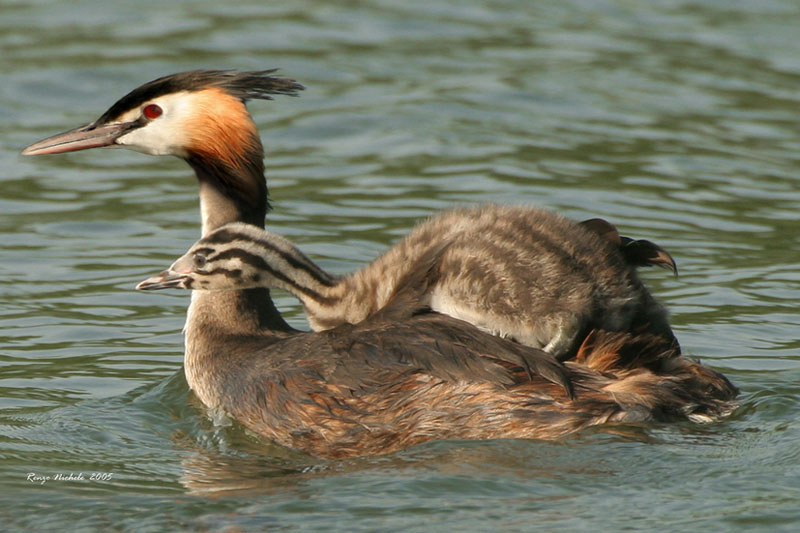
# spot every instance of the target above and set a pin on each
(233, 192)
(230, 194)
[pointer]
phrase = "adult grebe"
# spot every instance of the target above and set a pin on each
(201, 117)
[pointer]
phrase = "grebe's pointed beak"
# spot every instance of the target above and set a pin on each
(167, 279)
(82, 138)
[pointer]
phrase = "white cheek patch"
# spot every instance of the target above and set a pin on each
(165, 135)
(153, 139)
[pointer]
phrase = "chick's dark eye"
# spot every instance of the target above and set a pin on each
(199, 261)
(152, 111)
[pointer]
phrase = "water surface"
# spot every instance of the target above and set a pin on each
(676, 120)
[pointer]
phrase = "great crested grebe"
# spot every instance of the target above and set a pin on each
(406, 375)
(201, 117)
(517, 272)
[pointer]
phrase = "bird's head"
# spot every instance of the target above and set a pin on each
(199, 114)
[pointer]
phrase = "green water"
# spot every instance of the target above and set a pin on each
(676, 120)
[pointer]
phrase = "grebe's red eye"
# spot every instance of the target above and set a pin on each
(152, 111)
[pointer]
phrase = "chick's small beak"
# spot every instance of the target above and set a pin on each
(167, 279)
(81, 138)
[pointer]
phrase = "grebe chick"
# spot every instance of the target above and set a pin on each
(406, 375)
(516, 272)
